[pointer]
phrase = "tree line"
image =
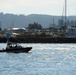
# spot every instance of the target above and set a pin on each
(61, 24)
(34, 26)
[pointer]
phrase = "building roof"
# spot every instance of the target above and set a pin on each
(16, 28)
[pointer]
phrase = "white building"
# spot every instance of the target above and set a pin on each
(18, 30)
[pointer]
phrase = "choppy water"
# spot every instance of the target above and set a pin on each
(44, 59)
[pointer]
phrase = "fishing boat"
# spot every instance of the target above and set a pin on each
(16, 48)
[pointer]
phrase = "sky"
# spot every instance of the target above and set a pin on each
(47, 7)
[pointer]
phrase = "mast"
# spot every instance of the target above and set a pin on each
(0, 25)
(65, 12)
(13, 24)
(53, 21)
(12, 27)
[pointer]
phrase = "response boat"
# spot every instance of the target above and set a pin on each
(15, 48)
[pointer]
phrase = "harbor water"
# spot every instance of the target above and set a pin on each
(43, 59)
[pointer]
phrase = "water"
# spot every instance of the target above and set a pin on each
(44, 59)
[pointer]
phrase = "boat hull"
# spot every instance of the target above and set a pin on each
(17, 50)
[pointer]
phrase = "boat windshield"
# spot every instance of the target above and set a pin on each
(13, 45)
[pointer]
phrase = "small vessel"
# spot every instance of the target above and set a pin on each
(15, 48)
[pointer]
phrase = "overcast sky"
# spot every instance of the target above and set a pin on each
(48, 7)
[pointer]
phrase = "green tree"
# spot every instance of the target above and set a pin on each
(34, 26)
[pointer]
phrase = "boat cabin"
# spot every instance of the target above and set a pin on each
(13, 45)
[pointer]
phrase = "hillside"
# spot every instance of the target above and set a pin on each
(10, 20)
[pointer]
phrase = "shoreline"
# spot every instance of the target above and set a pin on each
(39, 40)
